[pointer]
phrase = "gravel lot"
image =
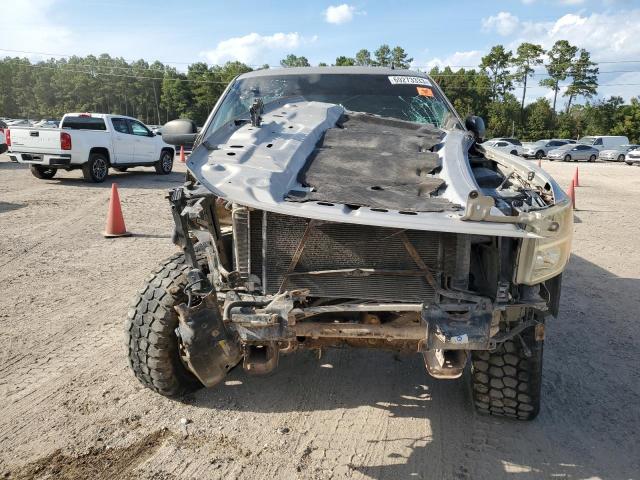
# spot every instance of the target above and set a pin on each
(72, 408)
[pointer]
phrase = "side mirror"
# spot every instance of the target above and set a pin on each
(180, 132)
(476, 125)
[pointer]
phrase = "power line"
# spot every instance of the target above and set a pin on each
(99, 74)
(140, 77)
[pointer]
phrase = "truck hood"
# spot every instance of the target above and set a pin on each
(299, 162)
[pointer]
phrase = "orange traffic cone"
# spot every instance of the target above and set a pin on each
(575, 178)
(182, 153)
(115, 222)
(572, 194)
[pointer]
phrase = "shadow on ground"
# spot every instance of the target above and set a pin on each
(136, 177)
(577, 420)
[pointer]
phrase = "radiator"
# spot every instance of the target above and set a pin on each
(265, 244)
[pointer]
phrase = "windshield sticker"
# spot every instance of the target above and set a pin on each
(425, 91)
(403, 80)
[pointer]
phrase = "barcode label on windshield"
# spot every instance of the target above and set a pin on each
(403, 80)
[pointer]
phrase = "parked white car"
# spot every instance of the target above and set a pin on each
(92, 142)
(505, 146)
(540, 148)
(3, 141)
(617, 154)
(604, 142)
(632, 157)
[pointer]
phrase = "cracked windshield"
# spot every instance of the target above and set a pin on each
(407, 98)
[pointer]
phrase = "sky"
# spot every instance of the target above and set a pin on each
(455, 33)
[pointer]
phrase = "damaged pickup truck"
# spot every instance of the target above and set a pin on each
(352, 206)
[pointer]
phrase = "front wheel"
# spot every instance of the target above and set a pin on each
(514, 152)
(592, 158)
(567, 158)
(43, 173)
(96, 169)
(507, 381)
(621, 158)
(165, 164)
(539, 155)
(153, 347)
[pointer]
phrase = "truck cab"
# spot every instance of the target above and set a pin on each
(93, 142)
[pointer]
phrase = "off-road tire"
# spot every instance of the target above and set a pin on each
(150, 337)
(539, 155)
(96, 169)
(165, 164)
(506, 382)
(43, 173)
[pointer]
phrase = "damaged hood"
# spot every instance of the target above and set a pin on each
(315, 160)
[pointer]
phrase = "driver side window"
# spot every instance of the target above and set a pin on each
(139, 129)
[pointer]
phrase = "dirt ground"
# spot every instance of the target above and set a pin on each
(72, 409)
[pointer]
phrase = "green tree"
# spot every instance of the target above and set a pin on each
(343, 61)
(629, 123)
(566, 126)
(540, 119)
(383, 56)
(559, 66)
(322, 64)
(399, 58)
(584, 78)
(528, 56)
(292, 60)
(363, 58)
(176, 94)
(502, 115)
(496, 64)
(467, 89)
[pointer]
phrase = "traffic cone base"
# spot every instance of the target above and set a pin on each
(115, 221)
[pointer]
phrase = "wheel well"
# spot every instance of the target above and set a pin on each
(101, 150)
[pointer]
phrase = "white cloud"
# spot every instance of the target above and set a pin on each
(253, 48)
(609, 37)
(504, 23)
(338, 14)
(572, 2)
(470, 58)
(34, 26)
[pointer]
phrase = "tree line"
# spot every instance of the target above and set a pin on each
(156, 93)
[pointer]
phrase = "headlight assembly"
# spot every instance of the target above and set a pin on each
(543, 258)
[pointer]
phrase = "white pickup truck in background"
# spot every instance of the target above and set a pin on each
(92, 142)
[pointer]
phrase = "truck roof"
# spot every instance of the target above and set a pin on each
(96, 115)
(268, 72)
